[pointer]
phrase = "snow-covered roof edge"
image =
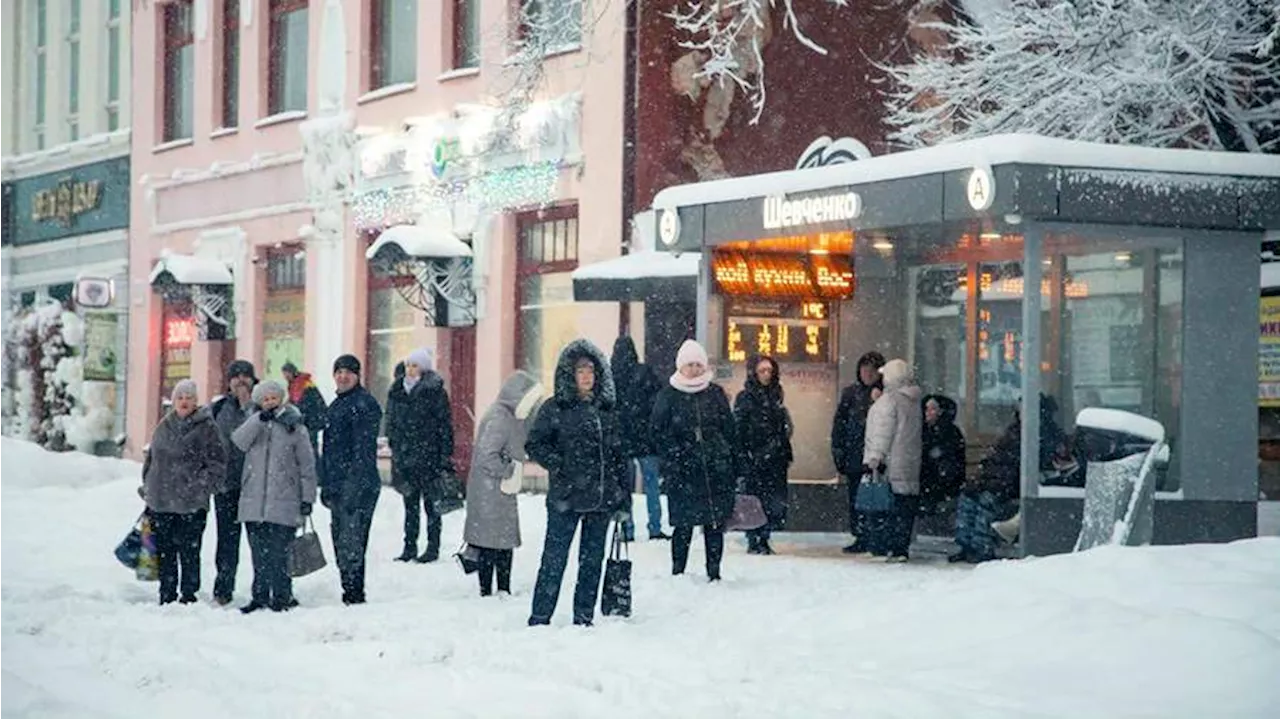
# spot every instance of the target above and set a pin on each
(991, 151)
(192, 270)
(418, 241)
(647, 263)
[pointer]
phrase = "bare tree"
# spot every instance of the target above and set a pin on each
(1187, 73)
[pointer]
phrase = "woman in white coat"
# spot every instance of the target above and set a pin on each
(493, 520)
(893, 448)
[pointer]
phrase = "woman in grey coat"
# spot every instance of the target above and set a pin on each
(277, 490)
(185, 462)
(493, 520)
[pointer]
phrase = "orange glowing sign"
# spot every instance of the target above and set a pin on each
(774, 275)
(180, 332)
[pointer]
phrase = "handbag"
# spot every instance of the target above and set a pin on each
(305, 555)
(452, 493)
(875, 494)
(129, 549)
(148, 569)
(748, 514)
(468, 558)
(615, 594)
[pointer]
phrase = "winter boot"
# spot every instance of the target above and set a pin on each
(659, 535)
(765, 547)
(252, 607)
(187, 599)
(432, 554)
(409, 554)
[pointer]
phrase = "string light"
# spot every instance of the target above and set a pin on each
(497, 190)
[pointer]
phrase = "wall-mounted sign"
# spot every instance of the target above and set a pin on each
(789, 332)
(94, 292)
(981, 188)
(669, 226)
(761, 274)
(100, 358)
(1269, 352)
(779, 212)
(825, 151)
(85, 199)
(444, 153)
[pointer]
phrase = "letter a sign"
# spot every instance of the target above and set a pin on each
(982, 188)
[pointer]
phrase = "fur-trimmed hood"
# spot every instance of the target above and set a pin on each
(566, 388)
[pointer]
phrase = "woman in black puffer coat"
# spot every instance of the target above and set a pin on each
(764, 442)
(695, 435)
(942, 466)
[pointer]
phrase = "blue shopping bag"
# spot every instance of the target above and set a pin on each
(875, 495)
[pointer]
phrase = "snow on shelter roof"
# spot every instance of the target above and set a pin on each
(420, 241)
(1270, 275)
(991, 151)
(191, 270)
(648, 263)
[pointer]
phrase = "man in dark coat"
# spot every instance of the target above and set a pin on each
(764, 442)
(576, 438)
(638, 386)
(848, 435)
(420, 434)
(942, 465)
(304, 395)
(229, 412)
(349, 484)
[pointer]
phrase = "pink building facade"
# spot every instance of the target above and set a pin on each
(276, 140)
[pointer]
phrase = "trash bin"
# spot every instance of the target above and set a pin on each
(1122, 450)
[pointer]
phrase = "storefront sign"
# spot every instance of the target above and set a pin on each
(1269, 353)
(100, 346)
(775, 275)
(445, 152)
(780, 212)
(669, 226)
(179, 334)
(85, 199)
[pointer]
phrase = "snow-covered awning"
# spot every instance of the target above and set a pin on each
(191, 270)
(418, 242)
(639, 277)
(964, 155)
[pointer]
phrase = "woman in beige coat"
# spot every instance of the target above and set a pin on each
(893, 448)
(277, 490)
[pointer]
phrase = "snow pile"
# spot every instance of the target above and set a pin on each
(1156, 631)
(27, 465)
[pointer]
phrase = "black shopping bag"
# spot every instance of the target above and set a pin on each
(306, 556)
(452, 493)
(129, 549)
(615, 596)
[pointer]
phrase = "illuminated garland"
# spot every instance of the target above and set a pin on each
(497, 190)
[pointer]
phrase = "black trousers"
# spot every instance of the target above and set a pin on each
(413, 522)
(178, 539)
(349, 528)
(226, 556)
(561, 526)
(491, 560)
(713, 540)
(269, 550)
(890, 532)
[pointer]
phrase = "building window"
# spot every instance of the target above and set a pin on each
(551, 25)
(285, 317)
(287, 61)
(113, 65)
(546, 318)
(230, 63)
(391, 332)
(466, 34)
(42, 70)
(393, 32)
(179, 71)
(73, 69)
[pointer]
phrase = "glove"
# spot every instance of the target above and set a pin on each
(741, 485)
(306, 509)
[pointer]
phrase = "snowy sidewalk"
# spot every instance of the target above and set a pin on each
(1170, 632)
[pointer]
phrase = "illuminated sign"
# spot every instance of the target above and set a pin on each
(790, 332)
(779, 212)
(774, 275)
(179, 332)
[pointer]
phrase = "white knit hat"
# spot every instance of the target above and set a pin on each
(186, 387)
(896, 372)
(268, 387)
(423, 357)
(689, 353)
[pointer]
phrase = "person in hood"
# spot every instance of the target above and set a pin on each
(349, 480)
(942, 464)
(277, 491)
(764, 442)
(638, 386)
(848, 436)
(229, 412)
(185, 463)
(577, 439)
(492, 526)
(694, 431)
(420, 435)
(306, 397)
(892, 449)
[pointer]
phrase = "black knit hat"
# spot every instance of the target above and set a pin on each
(347, 362)
(241, 368)
(289, 367)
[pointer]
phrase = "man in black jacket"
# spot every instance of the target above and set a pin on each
(848, 434)
(229, 412)
(420, 434)
(349, 485)
(576, 438)
(637, 386)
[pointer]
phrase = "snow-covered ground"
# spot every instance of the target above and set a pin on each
(1166, 631)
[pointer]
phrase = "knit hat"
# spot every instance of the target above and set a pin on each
(186, 387)
(347, 362)
(289, 367)
(241, 368)
(424, 358)
(691, 352)
(268, 387)
(896, 373)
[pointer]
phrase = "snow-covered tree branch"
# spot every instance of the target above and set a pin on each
(1186, 73)
(728, 38)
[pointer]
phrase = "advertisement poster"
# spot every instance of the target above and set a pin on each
(1269, 353)
(100, 346)
(283, 329)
